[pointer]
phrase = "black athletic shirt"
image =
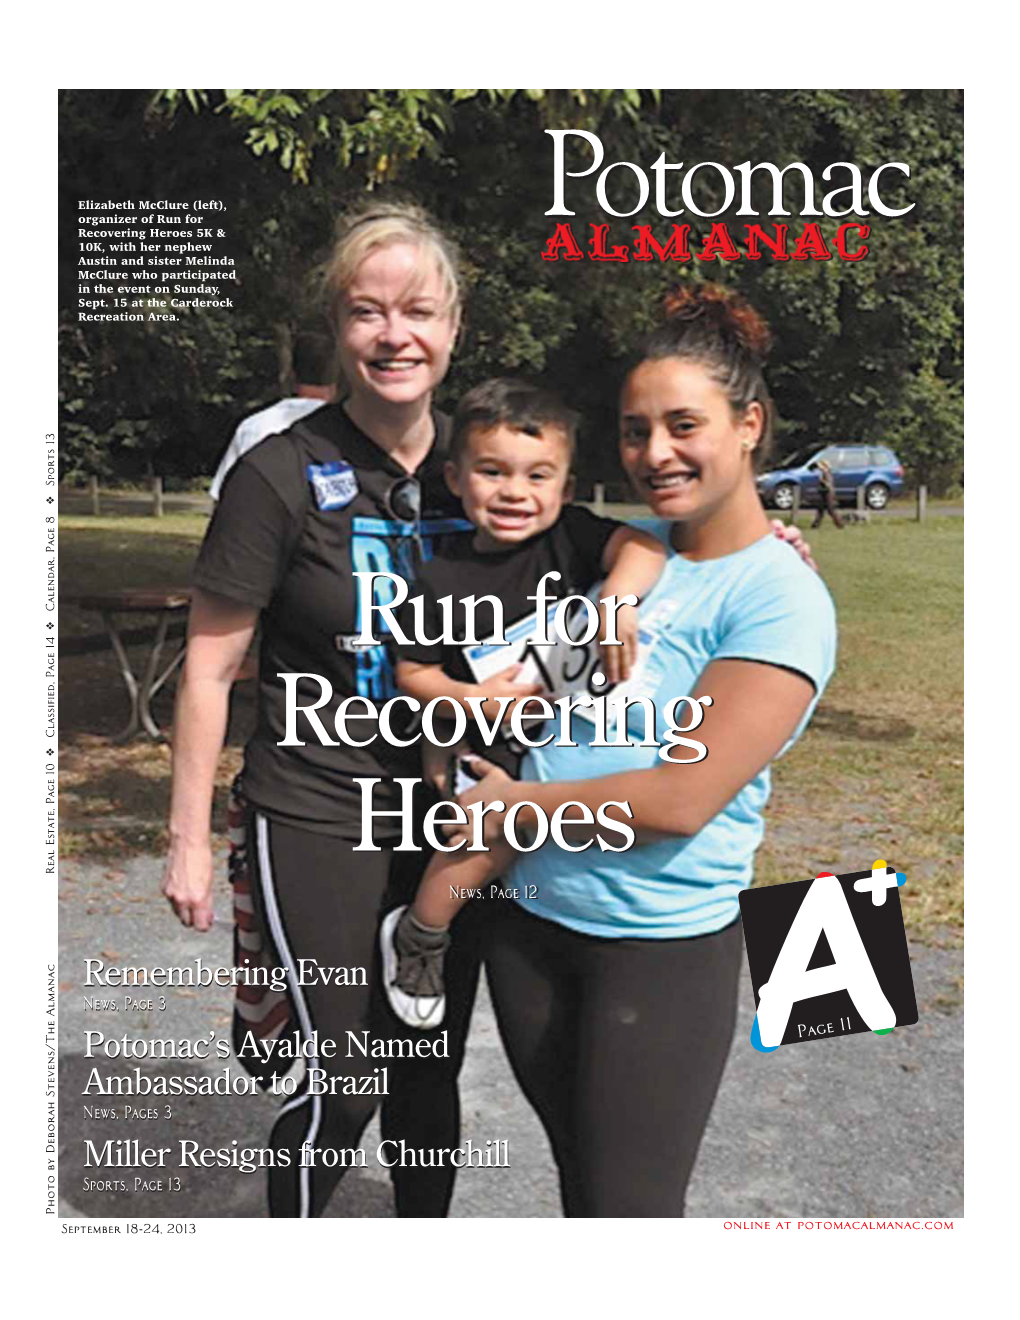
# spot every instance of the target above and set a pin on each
(572, 547)
(298, 515)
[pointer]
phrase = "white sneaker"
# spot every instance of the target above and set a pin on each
(412, 974)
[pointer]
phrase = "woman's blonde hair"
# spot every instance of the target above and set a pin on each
(381, 225)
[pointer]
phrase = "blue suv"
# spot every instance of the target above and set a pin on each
(874, 467)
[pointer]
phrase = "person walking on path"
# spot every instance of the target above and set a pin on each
(827, 495)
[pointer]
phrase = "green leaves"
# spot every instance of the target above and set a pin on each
(864, 351)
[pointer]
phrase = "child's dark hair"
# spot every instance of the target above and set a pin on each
(720, 330)
(518, 404)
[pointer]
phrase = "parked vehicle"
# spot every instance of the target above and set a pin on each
(873, 467)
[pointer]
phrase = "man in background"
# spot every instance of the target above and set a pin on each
(826, 495)
(314, 374)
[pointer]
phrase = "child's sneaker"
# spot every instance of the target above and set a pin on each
(413, 969)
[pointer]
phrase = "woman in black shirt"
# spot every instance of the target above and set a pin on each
(356, 486)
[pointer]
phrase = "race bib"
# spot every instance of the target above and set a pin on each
(491, 657)
(565, 666)
(644, 680)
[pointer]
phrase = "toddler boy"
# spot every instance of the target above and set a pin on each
(511, 451)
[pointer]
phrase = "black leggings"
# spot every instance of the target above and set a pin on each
(319, 900)
(619, 1045)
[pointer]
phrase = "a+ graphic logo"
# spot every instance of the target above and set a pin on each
(879, 881)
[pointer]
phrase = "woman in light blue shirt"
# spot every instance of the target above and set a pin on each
(614, 974)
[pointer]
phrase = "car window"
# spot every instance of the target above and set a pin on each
(822, 453)
(881, 458)
(798, 458)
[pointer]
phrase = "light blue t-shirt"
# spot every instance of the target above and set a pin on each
(761, 603)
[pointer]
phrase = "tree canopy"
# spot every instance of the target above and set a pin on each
(865, 351)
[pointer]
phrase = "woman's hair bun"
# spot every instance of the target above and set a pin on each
(721, 332)
(722, 312)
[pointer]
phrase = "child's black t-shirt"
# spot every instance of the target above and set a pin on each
(572, 547)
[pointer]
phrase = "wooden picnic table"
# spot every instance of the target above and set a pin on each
(166, 603)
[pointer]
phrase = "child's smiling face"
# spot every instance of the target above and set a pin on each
(513, 485)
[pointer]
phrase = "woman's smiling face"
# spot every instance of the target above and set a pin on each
(396, 326)
(681, 445)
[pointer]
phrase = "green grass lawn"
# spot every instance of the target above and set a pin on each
(106, 554)
(879, 773)
(113, 798)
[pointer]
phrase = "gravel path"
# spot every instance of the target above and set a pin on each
(858, 1126)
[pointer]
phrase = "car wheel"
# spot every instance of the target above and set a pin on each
(876, 495)
(783, 495)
